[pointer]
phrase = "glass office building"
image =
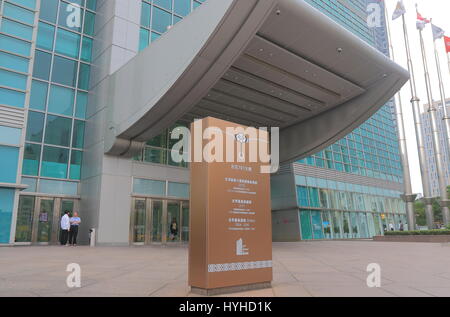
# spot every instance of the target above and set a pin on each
(358, 192)
(54, 57)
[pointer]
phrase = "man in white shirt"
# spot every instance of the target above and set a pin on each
(65, 227)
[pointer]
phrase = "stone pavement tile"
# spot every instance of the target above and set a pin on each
(173, 289)
(290, 290)
(267, 292)
(328, 278)
(436, 291)
(345, 291)
(404, 290)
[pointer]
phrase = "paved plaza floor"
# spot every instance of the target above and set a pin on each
(322, 268)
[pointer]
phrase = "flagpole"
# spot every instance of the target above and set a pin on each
(439, 157)
(408, 196)
(446, 117)
(415, 101)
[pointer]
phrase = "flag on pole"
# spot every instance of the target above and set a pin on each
(399, 10)
(421, 21)
(447, 43)
(438, 33)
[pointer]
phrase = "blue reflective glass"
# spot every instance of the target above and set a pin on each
(76, 159)
(58, 130)
(84, 76)
(178, 190)
(6, 211)
(145, 14)
(67, 43)
(54, 187)
(13, 80)
(18, 13)
(45, 37)
(161, 20)
(82, 99)
(38, 97)
(10, 135)
(70, 16)
(26, 3)
(9, 157)
(149, 187)
(54, 162)
(12, 97)
(89, 23)
(14, 45)
(61, 100)
(14, 62)
(78, 134)
(182, 7)
(166, 4)
(86, 49)
(17, 29)
(64, 71)
(143, 38)
(49, 10)
(31, 159)
(35, 126)
(42, 63)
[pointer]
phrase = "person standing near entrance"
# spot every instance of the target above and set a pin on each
(73, 233)
(65, 227)
(174, 229)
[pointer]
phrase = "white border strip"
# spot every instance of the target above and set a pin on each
(239, 266)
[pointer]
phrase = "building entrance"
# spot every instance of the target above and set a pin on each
(38, 218)
(159, 221)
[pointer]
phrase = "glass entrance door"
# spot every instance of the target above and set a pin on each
(159, 221)
(39, 218)
(173, 221)
(45, 220)
(157, 217)
(139, 221)
(24, 224)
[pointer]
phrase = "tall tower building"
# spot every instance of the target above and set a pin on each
(60, 65)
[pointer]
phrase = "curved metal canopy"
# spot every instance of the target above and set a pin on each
(263, 63)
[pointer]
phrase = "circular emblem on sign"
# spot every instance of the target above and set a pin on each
(241, 138)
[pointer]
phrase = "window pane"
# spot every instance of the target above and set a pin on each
(35, 126)
(10, 157)
(31, 156)
(12, 97)
(64, 71)
(54, 162)
(13, 62)
(82, 99)
(10, 135)
(61, 100)
(78, 134)
(45, 36)
(84, 76)
(143, 38)
(14, 45)
(75, 164)
(18, 13)
(49, 10)
(26, 3)
(166, 4)
(149, 187)
(17, 29)
(70, 16)
(161, 20)
(89, 23)
(86, 49)
(13, 80)
(57, 130)
(67, 43)
(145, 14)
(91, 4)
(178, 190)
(38, 98)
(182, 7)
(42, 63)
(54, 187)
